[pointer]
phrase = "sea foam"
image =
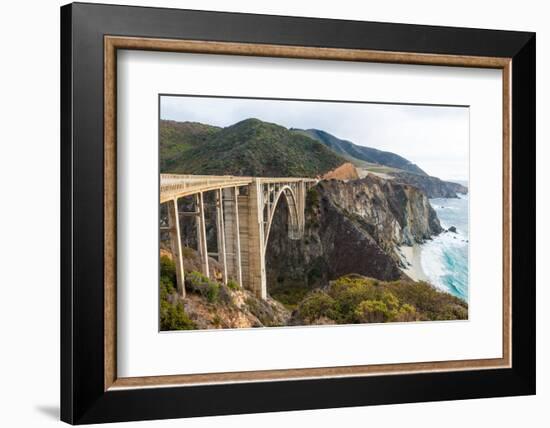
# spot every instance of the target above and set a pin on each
(445, 259)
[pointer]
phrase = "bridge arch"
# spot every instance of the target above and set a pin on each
(288, 193)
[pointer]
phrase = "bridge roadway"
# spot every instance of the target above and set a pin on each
(245, 207)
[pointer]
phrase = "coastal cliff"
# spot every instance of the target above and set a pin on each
(351, 227)
(432, 186)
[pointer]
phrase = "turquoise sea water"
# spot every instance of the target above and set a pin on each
(445, 258)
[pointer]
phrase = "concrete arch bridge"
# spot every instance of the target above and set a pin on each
(245, 207)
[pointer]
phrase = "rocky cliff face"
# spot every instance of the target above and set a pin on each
(432, 186)
(351, 227)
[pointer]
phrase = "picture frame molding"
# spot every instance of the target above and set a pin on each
(114, 43)
(91, 391)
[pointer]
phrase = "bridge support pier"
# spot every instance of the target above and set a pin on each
(256, 255)
(175, 242)
(201, 234)
(232, 233)
(220, 233)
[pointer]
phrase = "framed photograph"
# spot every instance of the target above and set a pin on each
(265, 213)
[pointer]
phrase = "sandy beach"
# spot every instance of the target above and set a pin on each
(411, 258)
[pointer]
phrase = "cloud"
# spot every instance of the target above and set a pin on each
(434, 137)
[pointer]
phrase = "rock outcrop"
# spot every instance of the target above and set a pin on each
(344, 172)
(432, 186)
(209, 303)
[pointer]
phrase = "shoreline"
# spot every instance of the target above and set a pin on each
(411, 258)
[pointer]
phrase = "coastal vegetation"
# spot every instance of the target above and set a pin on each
(172, 313)
(350, 299)
(354, 299)
(212, 304)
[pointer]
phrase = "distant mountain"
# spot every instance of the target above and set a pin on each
(432, 186)
(250, 147)
(387, 164)
(366, 154)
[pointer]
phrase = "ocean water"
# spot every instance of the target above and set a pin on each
(445, 259)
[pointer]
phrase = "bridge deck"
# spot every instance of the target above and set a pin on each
(174, 186)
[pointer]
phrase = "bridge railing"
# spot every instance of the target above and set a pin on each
(179, 185)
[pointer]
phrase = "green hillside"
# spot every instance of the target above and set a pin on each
(366, 154)
(176, 138)
(250, 147)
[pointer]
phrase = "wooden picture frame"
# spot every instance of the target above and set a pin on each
(91, 390)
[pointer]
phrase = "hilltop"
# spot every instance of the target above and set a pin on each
(177, 138)
(249, 148)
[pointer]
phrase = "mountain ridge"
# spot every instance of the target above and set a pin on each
(364, 153)
(400, 168)
(253, 147)
(250, 147)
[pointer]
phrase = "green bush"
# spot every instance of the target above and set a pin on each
(167, 269)
(233, 285)
(316, 305)
(390, 300)
(289, 296)
(357, 299)
(167, 277)
(406, 313)
(199, 283)
(372, 311)
(349, 292)
(173, 317)
(212, 292)
(384, 310)
(429, 302)
(172, 313)
(166, 287)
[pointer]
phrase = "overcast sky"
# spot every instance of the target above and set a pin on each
(436, 138)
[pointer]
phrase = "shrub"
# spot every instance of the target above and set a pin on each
(166, 287)
(372, 311)
(390, 300)
(349, 292)
(289, 296)
(357, 299)
(429, 302)
(199, 283)
(406, 313)
(312, 198)
(386, 308)
(316, 305)
(167, 268)
(173, 317)
(212, 292)
(233, 285)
